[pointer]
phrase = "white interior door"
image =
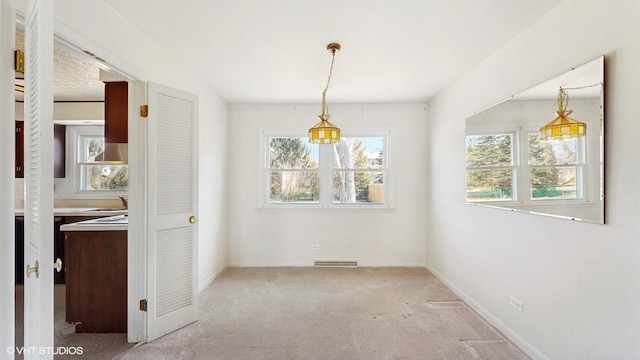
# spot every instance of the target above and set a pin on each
(7, 153)
(172, 209)
(38, 180)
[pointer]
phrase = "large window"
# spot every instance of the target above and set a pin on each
(95, 176)
(352, 171)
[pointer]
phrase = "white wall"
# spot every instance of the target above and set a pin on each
(267, 237)
(122, 45)
(579, 283)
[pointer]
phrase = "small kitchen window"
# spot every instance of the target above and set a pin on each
(86, 175)
(96, 176)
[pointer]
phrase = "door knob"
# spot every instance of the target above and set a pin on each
(34, 269)
(58, 265)
(193, 219)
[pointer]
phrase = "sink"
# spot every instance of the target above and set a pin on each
(116, 220)
(110, 209)
(120, 219)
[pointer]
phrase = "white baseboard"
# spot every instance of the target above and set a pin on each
(249, 265)
(208, 280)
(493, 320)
(310, 264)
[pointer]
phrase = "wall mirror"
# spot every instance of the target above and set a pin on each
(512, 163)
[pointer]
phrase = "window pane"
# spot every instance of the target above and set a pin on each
(358, 186)
(489, 185)
(489, 150)
(359, 153)
(292, 153)
(552, 152)
(554, 182)
(104, 177)
(90, 147)
(293, 186)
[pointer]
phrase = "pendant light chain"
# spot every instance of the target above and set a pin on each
(582, 87)
(563, 96)
(563, 99)
(324, 93)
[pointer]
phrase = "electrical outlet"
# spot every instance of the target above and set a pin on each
(315, 247)
(515, 303)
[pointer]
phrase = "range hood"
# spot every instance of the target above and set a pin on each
(114, 153)
(116, 147)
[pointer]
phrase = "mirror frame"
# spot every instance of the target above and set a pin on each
(520, 114)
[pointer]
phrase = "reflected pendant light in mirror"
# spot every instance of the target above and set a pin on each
(564, 127)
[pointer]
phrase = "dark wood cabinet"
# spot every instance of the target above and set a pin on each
(19, 237)
(96, 275)
(116, 112)
(59, 243)
(59, 153)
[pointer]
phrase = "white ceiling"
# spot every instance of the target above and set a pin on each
(267, 51)
(74, 79)
(274, 51)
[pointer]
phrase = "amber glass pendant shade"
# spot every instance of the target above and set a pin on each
(324, 132)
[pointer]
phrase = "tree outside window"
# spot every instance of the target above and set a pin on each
(358, 165)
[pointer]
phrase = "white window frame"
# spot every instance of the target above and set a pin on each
(69, 187)
(325, 169)
(516, 167)
(581, 173)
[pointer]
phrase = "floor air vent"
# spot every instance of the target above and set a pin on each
(327, 263)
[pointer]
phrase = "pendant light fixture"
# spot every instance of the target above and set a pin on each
(564, 127)
(325, 132)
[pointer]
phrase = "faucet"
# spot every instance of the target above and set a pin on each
(124, 202)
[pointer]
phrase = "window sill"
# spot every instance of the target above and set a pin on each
(319, 208)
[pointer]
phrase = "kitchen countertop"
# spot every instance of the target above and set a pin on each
(72, 211)
(110, 223)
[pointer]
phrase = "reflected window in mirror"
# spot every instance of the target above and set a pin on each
(491, 167)
(560, 178)
(556, 168)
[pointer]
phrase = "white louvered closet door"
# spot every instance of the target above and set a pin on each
(172, 210)
(7, 150)
(38, 180)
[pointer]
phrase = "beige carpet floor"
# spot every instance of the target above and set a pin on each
(318, 313)
(94, 346)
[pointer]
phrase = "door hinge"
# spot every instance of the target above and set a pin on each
(18, 61)
(144, 110)
(143, 305)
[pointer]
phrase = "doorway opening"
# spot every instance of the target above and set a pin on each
(79, 91)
